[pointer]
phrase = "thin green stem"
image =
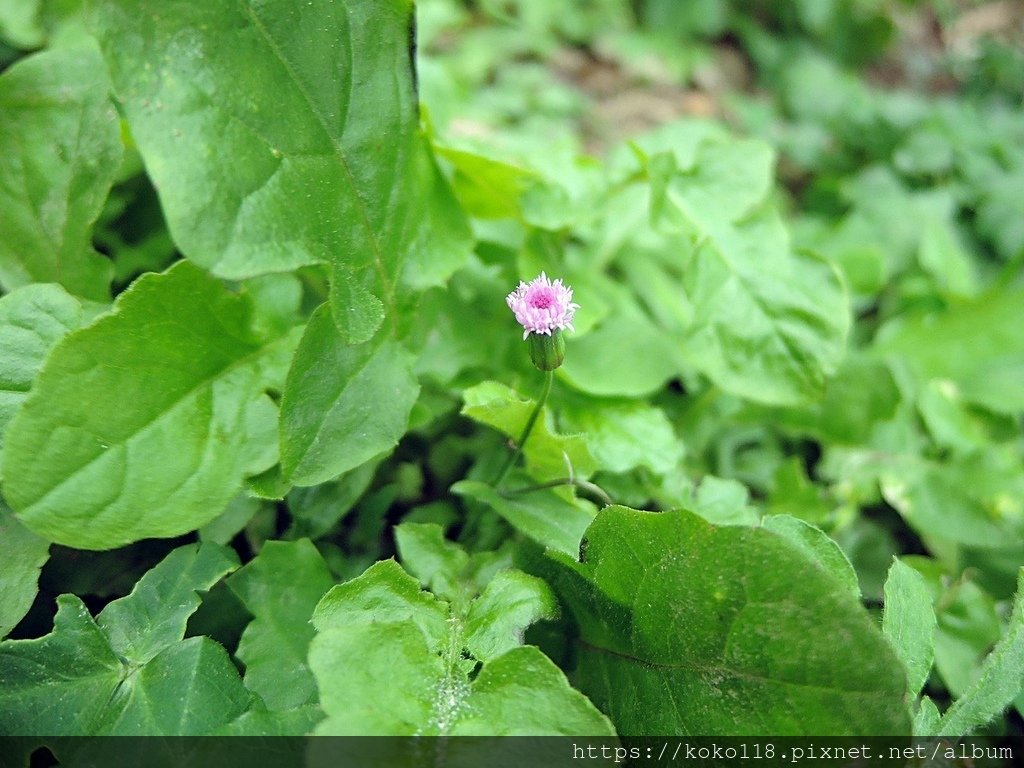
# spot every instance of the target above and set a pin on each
(584, 485)
(510, 462)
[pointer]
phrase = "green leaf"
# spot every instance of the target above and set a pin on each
(1001, 680)
(817, 546)
(129, 672)
(909, 623)
(497, 619)
(768, 323)
(501, 407)
(23, 554)
(342, 404)
(624, 435)
(280, 588)
(542, 515)
(294, 144)
(32, 320)
(380, 626)
(154, 616)
(19, 23)
(63, 149)
(439, 564)
(140, 424)
(689, 628)
(975, 344)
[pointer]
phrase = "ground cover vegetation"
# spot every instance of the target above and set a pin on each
(262, 398)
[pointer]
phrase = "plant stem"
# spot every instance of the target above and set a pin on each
(510, 462)
(584, 485)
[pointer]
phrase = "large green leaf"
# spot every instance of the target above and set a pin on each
(690, 628)
(32, 320)
(62, 149)
(280, 135)
(129, 672)
(145, 423)
(379, 626)
(768, 323)
(343, 404)
(280, 588)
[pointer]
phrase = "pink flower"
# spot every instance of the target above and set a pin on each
(542, 306)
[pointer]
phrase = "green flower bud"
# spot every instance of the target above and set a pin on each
(547, 351)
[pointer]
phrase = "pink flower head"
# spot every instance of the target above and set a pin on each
(542, 306)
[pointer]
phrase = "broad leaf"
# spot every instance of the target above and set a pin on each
(280, 588)
(129, 672)
(542, 515)
(343, 404)
(282, 135)
(624, 435)
(689, 628)
(62, 150)
(380, 626)
(140, 425)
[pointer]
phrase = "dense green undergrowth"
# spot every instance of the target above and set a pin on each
(258, 376)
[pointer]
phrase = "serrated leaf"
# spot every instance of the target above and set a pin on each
(1001, 680)
(294, 144)
(23, 555)
(501, 407)
(691, 628)
(139, 425)
(342, 404)
(280, 588)
(130, 672)
(542, 515)
(909, 623)
(380, 625)
(55, 109)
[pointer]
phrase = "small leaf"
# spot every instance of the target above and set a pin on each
(23, 555)
(342, 404)
(139, 425)
(909, 623)
(497, 619)
(32, 320)
(501, 407)
(1001, 680)
(542, 515)
(280, 588)
(154, 616)
(55, 109)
